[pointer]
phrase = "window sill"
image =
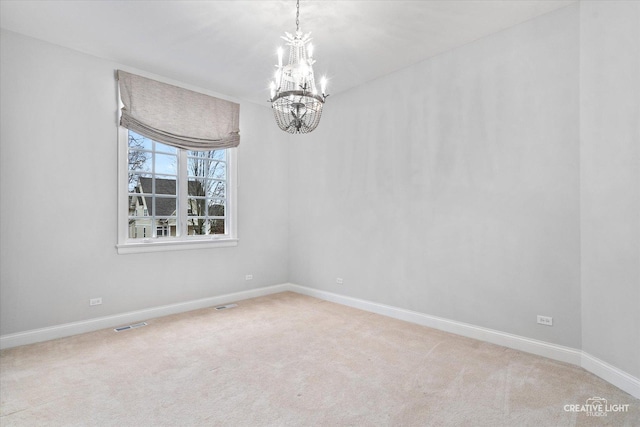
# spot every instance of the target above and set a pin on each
(155, 245)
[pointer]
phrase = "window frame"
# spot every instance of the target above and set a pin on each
(128, 245)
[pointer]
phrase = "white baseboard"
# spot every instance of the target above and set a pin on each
(74, 328)
(541, 348)
(609, 373)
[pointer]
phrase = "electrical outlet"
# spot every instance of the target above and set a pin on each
(95, 301)
(248, 277)
(339, 281)
(545, 320)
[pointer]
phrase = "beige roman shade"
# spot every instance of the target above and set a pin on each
(176, 116)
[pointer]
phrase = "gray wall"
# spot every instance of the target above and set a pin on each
(489, 184)
(451, 187)
(58, 181)
(610, 182)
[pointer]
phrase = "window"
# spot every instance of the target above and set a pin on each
(175, 198)
(176, 167)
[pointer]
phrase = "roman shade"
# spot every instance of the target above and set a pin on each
(176, 116)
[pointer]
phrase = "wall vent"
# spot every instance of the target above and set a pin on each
(224, 307)
(126, 328)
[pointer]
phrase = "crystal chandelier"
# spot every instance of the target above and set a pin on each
(295, 101)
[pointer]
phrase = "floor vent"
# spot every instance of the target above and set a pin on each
(126, 328)
(224, 307)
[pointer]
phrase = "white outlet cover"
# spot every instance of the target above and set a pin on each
(545, 320)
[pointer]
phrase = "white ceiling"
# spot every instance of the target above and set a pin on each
(230, 46)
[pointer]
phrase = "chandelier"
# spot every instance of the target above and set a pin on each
(296, 103)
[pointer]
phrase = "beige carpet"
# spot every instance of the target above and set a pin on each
(292, 360)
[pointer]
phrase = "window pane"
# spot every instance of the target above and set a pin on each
(216, 226)
(198, 166)
(206, 164)
(135, 179)
(165, 206)
(166, 185)
(137, 206)
(196, 187)
(202, 226)
(140, 228)
(213, 155)
(218, 155)
(196, 206)
(216, 208)
(216, 189)
(145, 184)
(197, 226)
(140, 160)
(218, 170)
(166, 164)
(162, 148)
(165, 227)
(139, 142)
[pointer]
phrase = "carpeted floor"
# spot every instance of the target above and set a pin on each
(292, 360)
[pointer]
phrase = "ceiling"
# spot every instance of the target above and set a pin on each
(230, 46)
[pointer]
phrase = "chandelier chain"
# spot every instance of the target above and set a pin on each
(297, 15)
